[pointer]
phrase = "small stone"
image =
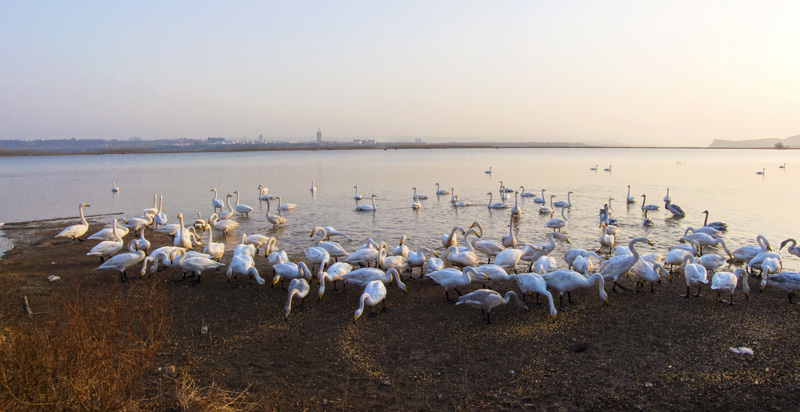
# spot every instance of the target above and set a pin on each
(512, 372)
(386, 383)
(52, 263)
(53, 278)
(324, 401)
(648, 385)
(204, 330)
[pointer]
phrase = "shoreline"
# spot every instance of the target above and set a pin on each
(335, 146)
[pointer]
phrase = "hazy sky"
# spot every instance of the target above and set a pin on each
(644, 72)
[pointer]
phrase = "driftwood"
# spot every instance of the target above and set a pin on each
(27, 307)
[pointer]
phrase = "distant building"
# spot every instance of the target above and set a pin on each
(260, 138)
(216, 140)
(418, 140)
(319, 135)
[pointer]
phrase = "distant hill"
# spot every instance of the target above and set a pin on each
(789, 142)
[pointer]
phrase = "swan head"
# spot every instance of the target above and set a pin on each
(84, 205)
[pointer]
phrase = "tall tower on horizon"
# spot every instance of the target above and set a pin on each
(319, 135)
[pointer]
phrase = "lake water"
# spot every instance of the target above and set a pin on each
(721, 181)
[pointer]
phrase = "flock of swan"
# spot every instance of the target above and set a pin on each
(467, 256)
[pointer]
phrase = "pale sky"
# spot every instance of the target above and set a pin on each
(638, 72)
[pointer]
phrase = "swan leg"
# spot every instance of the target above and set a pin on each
(303, 306)
(687, 292)
(790, 299)
(489, 318)
(653, 288)
(698, 291)
(384, 309)
(447, 295)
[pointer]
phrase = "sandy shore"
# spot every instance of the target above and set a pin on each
(641, 351)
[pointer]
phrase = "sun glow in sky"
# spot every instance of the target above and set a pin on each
(655, 73)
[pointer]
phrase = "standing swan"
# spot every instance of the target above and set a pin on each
(487, 299)
(242, 208)
(297, 287)
(123, 261)
(374, 293)
(565, 280)
(516, 211)
(274, 219)
(75, 232)
(216, 203)
(558, 223)
(108, 248)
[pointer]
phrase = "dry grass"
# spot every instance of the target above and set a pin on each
(89, 353)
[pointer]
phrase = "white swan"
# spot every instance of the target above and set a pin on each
(674, 209)
(114, 187)
(330, 231)
(241, 208)
(757, 260)
(285, 206)
(216, 250)
(727, 281)
(593, 168)
(334, 249)
(571, 254)
(783, 166)
(244, 248)
(607, 240)
(584, 264)
(628, 197)
(361, 277)
(398, 262)
(416, 196)
(492, 274)
(300, 288)
(432, 265)
(313, 188)
(160, 217)
(75, 232)
(547, 209)
(676, 255)
(461, 257)
(451, 278)
(123, 261)
(366, 255)
(141, 242)
(183, 237)
(108, 232)
(793, 249)
(274, 219)
(488, 247)
(496, 205)
(374, 293)
(336, 271)
(762, 172)
(263, 193)
(509, 258)
(516, 211)
(667, 198)
(539, 199)
(223, 226)
(108, 248)
(243, 265)
(649, 272)
(229, 213)
(317, 256)
(558, 223)
(694, 273)
(195, 265)
(275, 257)
(441, 191)
(368, 208)
(487, 299)
(401, 249)
(290, 270)
(543, 249)
(509, 240)
(608, 169)
(561, 203)
(620, 265)
(788, 281)
(258, 241)
(532, 283)
(417, 259)
(545, 264)
(565, 281)
(523, 193)
(488, 172)
(645, 206)
(136, 223)
(200, 223)
(451, 239)
(747, 252)
(647, 221)
(216, 203)
(154, 209)
(357, 196)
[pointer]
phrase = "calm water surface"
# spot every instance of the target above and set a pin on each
(721, 181)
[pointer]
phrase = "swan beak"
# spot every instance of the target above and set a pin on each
(747, 295)
(355, 318)
(405, 290)
(762, 289)
(486, 277)
(769, 248)
(650, 243)
(606, 301)
(567, 240)
(319, 297)
(275, 280)
(554, 318)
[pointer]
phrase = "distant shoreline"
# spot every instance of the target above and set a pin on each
(313, 146)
